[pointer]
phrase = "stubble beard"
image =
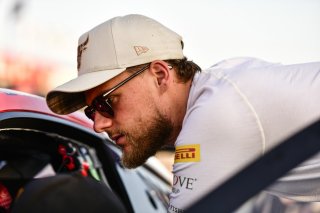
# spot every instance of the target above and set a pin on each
(148, 140)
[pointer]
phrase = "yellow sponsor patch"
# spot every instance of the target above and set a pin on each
(187, 153)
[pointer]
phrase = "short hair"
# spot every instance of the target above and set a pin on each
(184, 68)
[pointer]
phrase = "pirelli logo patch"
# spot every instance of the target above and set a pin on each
(187, 153)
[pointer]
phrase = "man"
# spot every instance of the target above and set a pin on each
(138, 86)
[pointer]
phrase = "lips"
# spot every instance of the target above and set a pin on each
(116, 138)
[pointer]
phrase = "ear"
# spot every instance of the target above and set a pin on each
(160, 70)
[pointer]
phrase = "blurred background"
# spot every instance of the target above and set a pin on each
(38, 38)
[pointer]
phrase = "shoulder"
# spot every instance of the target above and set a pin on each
(241, 63)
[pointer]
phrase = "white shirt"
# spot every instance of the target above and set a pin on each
(237, 110)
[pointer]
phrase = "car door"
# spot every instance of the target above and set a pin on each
(35, 145)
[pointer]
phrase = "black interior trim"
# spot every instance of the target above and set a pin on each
(65, 128)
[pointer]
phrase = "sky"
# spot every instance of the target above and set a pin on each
(281, 31)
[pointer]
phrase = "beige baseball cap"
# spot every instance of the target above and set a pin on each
(108, 49)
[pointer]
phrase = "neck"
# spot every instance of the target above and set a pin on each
(177, 110)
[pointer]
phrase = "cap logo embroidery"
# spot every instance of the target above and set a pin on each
(82, 47)
(140, 49)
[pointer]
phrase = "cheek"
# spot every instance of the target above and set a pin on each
(138, 101)
(137, 107)
(130, 106)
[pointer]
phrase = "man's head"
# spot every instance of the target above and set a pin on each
(134, 79)
(108, 49)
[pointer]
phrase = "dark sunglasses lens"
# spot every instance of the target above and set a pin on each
(89, 111)
(103, 107)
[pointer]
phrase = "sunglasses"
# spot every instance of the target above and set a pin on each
(102, 103)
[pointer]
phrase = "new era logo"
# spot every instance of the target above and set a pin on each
(140, 49)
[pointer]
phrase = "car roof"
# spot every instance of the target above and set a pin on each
(12, 100)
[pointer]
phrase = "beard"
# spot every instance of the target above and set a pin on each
(146, 140)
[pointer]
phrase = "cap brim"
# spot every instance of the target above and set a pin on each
(69, 97)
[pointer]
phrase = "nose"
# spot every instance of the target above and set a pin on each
(101, 123)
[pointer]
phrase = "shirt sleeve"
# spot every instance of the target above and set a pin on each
(235, 115)
(210, 146)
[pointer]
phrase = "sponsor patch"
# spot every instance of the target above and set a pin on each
(187, 153)
(175, 209)
(182, 182)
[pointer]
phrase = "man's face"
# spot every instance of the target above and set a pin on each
(138, 125)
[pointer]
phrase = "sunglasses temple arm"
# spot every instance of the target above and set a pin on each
(125, 81)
